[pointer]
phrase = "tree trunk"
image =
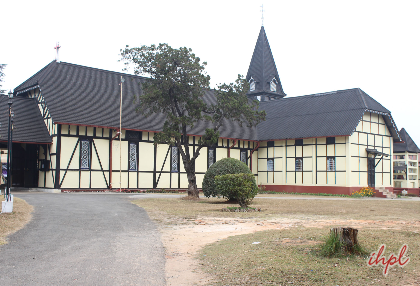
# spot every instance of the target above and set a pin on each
(347, 236)
(192, 181)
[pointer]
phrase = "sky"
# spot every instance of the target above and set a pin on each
(318, 46)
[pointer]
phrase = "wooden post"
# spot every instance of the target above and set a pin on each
(347, 236)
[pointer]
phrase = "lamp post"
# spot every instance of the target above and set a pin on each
(122, 81)
(9, 147)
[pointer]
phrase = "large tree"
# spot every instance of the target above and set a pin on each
(2, 67)
(176, 88)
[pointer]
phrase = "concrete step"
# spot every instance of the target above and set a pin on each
(387, 193)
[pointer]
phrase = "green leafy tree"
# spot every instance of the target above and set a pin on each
(2, 67)
(176, 88)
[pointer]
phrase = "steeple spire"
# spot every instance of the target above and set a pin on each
(262, 72)
(262, 14)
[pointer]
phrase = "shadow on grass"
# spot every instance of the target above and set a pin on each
(221, 202)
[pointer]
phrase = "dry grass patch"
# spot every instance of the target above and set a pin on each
(12, 222)
(350, 209)
(290, 232)
(291, 257)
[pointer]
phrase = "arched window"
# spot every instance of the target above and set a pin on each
(273, 85)
(251, 84)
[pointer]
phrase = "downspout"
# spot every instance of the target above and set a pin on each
(110, 160)
(252, 152)
(234, 143)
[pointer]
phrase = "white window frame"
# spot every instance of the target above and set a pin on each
(331, 166)
(270, 165)
(299, 164)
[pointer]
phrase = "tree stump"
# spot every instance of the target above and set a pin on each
(347, 236)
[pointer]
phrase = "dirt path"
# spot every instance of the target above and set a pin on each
(183, 242)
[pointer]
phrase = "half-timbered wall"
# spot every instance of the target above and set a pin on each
(329, 161)
(86, 154)
(371, 133)
(46, 153)
(310, 161)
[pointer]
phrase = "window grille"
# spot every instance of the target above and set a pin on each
(211, 156)
(84, 154)
(270, 164)
(243, 156)
(330, 163)
(133, 157)
(174, 159)
(299, 164)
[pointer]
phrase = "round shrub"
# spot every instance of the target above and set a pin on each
(241, 186)
(222, 167)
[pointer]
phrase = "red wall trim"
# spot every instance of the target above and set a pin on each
(317, 189)
(311, 189)
(414, 191)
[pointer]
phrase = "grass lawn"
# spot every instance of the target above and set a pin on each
(291, 256)
(12, 222)
(361, 208)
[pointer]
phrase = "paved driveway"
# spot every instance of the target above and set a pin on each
(83, 239)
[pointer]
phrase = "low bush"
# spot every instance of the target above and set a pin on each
(334, 247)
(222, 167)
(241, 187)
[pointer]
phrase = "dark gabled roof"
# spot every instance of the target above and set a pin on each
(87, 96)
(320, 115)
(28, 123)
(408, 145)
(263, 68)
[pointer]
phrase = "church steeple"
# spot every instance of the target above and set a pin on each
(262, 73)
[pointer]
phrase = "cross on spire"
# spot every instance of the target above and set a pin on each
(262, 14)
(57, 47)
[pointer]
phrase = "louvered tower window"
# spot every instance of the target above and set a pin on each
(251, 84)
(273, 85)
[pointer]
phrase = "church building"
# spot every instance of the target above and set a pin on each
(67, 135)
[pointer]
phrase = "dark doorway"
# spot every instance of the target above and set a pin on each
(371, 172)
(25, 165)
